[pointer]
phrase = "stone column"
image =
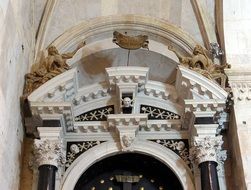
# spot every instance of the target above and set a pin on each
(206, 153)
(48, 157)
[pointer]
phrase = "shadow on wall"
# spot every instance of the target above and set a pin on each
(92, 67)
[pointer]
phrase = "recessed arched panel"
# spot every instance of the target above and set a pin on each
(136, 171)
(107, 149)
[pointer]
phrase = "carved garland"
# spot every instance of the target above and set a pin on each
(75, 149)
(179, 146)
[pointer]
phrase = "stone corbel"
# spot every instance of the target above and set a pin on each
(126, 127)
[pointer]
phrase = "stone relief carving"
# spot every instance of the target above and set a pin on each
(241, 91)
(77, 148)
(99, 114)
(201, 63)
(130, 42)
(127, 140)
(179, 146)
(48, 67)
(222, 118)
(48, 152)
(158, 113)
(215, 50)
(207, 149)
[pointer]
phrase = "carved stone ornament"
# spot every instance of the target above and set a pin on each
(215, 50)
(241, 91)
(207, 149)
(126, 127)
(201, 63)
(126, 141)
(48, 152)
(130, 42)
(47, 67)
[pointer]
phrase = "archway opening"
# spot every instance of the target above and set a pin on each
(128, 171)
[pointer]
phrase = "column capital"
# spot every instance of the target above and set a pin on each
(48, 152)
(207, 149)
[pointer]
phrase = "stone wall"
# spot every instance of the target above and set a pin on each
(16, 47)
(237, 27)
(67, 14)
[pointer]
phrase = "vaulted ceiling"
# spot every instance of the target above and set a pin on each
(59, 21)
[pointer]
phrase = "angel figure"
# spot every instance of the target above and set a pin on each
(48, 67)
(201, 63)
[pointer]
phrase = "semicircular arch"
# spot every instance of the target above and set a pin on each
(98, 34)
(166, 156)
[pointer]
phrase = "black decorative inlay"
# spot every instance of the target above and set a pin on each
(179, 146)
(75, 149)
(51, 123)
(157, 113)
(99, 114)
(204, 120)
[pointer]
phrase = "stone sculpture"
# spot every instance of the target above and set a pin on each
(201, 63)
(130, 42)
(48, 67)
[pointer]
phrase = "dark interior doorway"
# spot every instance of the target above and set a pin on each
(128, 171)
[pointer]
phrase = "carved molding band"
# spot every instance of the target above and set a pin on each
(207, 149)
(48, 152)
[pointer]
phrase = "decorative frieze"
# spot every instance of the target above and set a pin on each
(207, 149)
(240, 83)
(179, 146)
(48, 152)
(151, 125)
(55, 110)
(126, 127)
(155, 113)
(75, 149)
(160, 90)
(222, 118)
(241, 91)
(99, 114)
(205, 106)
(191, 85)
(92, 92)
(133, 75)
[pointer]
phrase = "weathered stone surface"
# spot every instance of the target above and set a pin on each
(15, 53)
